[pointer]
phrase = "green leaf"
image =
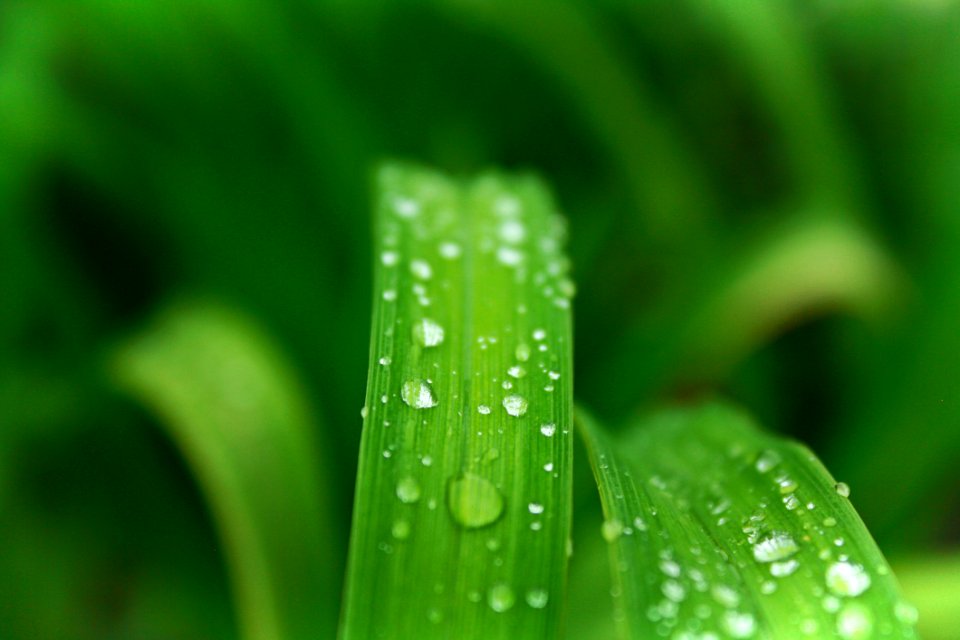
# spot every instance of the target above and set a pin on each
(463, 503)
(717, 527)
(233, 406)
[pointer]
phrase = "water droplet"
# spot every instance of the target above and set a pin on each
(776, 546)
(548, 429)
(450, 250)
(829, 522)
(535, 508)
(539, 335)
(855, 622)
(427, 333)
(400, 530)
(554, 375)
(512, 231)
(421, 269)
(842, 489)
(847, 579)
(611, 530)
(509, 257)
(389, 258)
(474, 501)
(725, 596)
(418, 394)
(434, 615)
(405, 207)
(791, 502)
(515, 405)
(767, 460)
(673, 590)
(537, 598)
(484, 409)
(385, 361)
(501, 598)
(408, 490)
(390, 295)
(906, 613)
(548, 467)
(783, 569)
(739, 625)
(516, 372)
(363, 412)
(523, 352)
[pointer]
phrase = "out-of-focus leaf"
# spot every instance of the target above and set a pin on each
(934, 581)
(235, 409)
(716, 527)
(463, 504)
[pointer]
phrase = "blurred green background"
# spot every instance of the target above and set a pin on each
(763, 196)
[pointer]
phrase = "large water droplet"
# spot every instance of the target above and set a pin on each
(408, 490)
(427, 333)
(537, 598)
(847, 579)
(776, 546)
(501, 598)
(515, 405)
(418, 394)
(473, 501)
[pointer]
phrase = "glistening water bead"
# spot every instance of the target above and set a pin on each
(473, 501)
(418, 394)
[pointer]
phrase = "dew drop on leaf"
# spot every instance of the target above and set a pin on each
(501, 598)
(400, 530)
(408, 490)
(418, 394)
(427, 333)
(537, 598)
(473, 501)
(847, 579)
(855, 622)
(548, 429)
(515, 405)
(776, 546)
(611, 530)
(842, 489)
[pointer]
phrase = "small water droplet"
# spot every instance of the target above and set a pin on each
(842, 489)
(537, 598)
(724, 595)
(450, 250)
(739, 625)
(539, 335)
(385, 361)
(554, 375)
(474, 501)
(847, 579)
(523, 352)
(776, 546)
(515, 405)
(611, 530)
(783, 569)
(389, 258)
(421, 269)
(427, 333)
(400, 530)
(512, 231)
(501, 598)
(484, 409)
(548, 467)
(673, 590)
(670, 567)
(767, 460)
(405, 207)
(408, 490)
(906, 613)
(390, 295)
(829, 522)
(434, 615)
(363, 412)
(516, 372)
(509, 256)
(548, 429)
(535, 508)
(855, 622)
(418, 394)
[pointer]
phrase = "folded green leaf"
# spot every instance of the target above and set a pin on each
(718, 528)
(462, 513)
(232, 405)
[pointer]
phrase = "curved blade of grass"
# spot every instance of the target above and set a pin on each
(232, 405)
(463, 495)
(715, 526)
